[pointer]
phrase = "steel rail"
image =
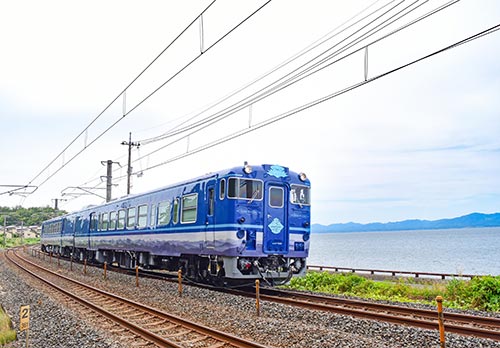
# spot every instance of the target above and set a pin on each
(157, 339)
(426, 313)
(393, 314)
(341, 306)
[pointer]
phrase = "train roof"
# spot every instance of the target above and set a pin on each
(258, 171)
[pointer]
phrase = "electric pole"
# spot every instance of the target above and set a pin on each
(129, 168)
(109, 177)
(56, 202)
(5, 231)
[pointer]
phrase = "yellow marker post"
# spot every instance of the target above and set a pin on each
(137, 276)
(85, 266)
(179, 277)
(257, 296)
(24, 321)
(105, 268)
(439, 301)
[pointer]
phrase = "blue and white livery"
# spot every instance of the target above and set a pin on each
(237, 224)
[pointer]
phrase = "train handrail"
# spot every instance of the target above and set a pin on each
(391, 272)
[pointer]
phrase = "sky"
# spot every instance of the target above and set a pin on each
(420, 143)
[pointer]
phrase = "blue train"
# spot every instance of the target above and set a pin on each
(234, 225)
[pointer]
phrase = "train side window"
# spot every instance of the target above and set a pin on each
(121, 219)
(164, 214)
(276, 197)
(232, 187)
(300, 194)
(93, 222)
(176, 211)
(142, 219)
(189, 208)
(112, 221)
(105, 217)
(244, 189)
(222, 189)
(211, 201)
(131, 217)
(152, 216)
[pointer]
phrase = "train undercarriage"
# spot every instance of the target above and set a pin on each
(212, 269)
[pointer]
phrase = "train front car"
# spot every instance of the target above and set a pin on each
(267, 209)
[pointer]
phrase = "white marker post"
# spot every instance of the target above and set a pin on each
(24, 322)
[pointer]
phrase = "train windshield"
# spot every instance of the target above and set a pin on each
(244, 189)
(300, 194)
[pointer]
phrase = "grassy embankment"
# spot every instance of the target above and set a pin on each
(481, 293)
(7, 334)
(12, 242)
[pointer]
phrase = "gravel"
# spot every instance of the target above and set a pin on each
(277, 326)
(51, 324)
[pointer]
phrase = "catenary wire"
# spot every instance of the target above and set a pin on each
(262, 93)
(325, 98)
(402, 27)
(142, 101)
(315, 44)
(413, 22)
(215, 118)
(331, 34)
(118, 96)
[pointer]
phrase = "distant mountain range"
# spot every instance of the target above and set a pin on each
(471, 220)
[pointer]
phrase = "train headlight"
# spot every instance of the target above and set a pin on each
(302, 176)
(247, 168)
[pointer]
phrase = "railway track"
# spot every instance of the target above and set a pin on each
(144, 322)
(462, 324)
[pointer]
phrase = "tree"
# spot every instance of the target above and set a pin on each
(28, 216)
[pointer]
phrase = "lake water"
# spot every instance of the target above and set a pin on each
(463, 251)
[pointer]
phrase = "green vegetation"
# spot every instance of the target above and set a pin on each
(6, 333)
(28, 216)
(13, 242)
(481, 293)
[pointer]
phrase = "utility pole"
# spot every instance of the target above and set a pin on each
(129, 168)
(56, 202)
(5, 231)
(109, 177)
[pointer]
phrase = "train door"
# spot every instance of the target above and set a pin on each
(76, 222)
(210, 218)
(275, 219)
(93, 222)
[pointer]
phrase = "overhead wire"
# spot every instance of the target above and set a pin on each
(141, 102)
(344, 48)
(331, 34)
(326, 98)
(301, 53)
(272, 120)
(269, 89)
(119, 95)
(210, 120)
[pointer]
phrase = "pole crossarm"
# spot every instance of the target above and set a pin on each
(15, 188)
(86, 191)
